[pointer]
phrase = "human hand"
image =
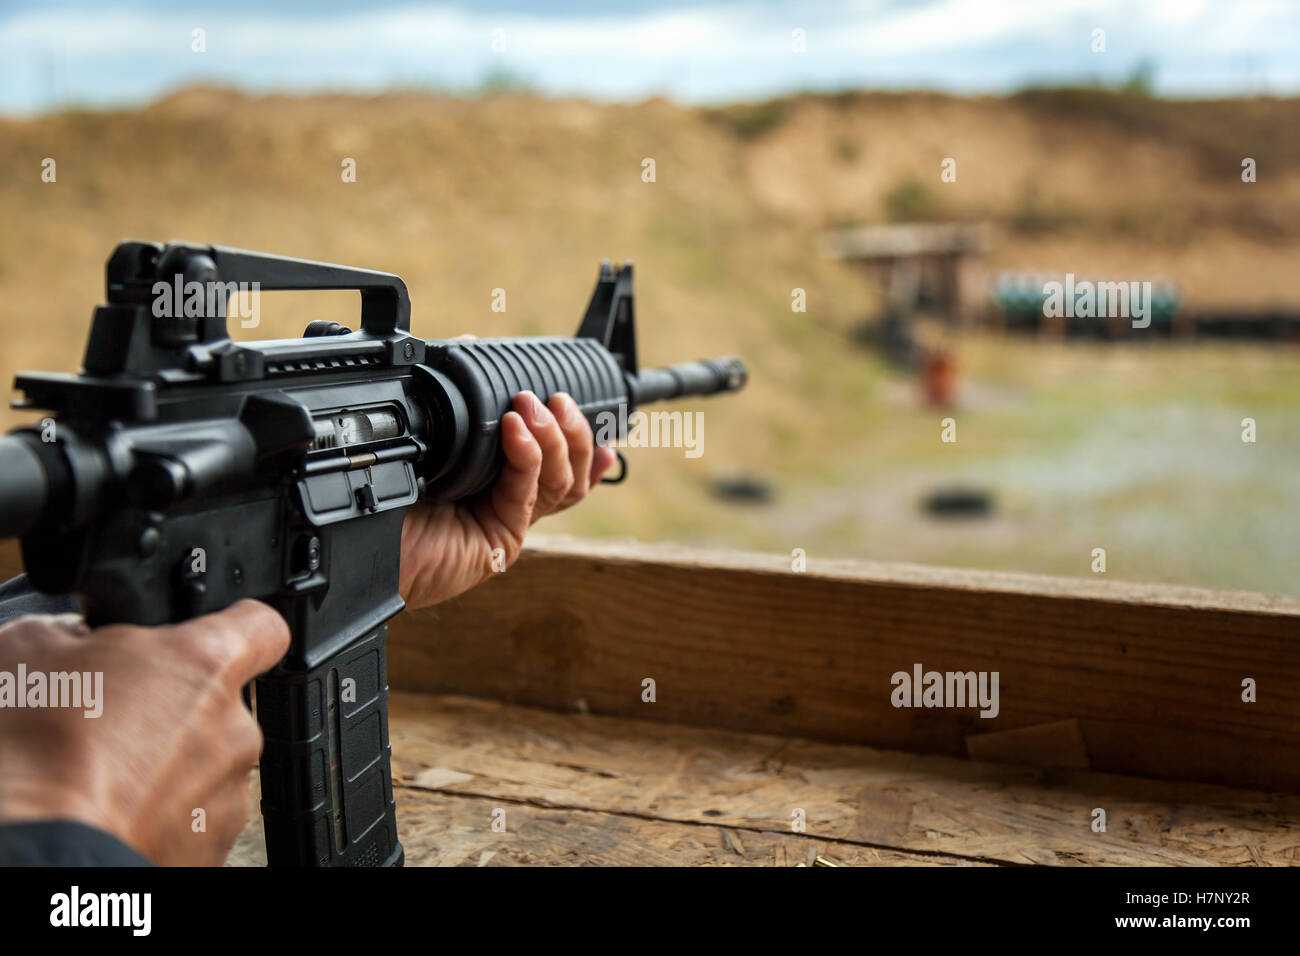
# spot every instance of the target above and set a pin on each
(552, 461)
(173, 735)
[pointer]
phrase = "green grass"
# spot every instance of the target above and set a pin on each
(1136, 450)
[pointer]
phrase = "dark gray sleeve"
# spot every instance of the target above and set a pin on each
(63, 843)
(18, 597)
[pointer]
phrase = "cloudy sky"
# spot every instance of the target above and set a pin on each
(99, 52)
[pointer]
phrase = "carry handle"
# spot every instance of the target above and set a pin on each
(134, 267)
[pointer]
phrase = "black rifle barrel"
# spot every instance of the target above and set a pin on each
(26, 492)
(706, 377)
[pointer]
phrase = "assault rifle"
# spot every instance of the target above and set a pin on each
(287, 466)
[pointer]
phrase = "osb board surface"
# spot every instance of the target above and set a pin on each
(580, 789)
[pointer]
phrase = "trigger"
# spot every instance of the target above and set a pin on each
(622, 470)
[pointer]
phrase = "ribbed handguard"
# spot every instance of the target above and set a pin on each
(327, 785)
(490, 372)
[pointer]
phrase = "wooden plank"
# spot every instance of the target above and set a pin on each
(906, 239)
(585, 789)
(448, 830)
(1151, 674)
(954, 809)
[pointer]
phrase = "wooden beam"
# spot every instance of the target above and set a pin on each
(1139, 679)
(911, 239)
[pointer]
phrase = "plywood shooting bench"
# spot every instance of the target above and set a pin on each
(772, 739)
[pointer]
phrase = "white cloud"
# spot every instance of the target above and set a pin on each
(702, 53)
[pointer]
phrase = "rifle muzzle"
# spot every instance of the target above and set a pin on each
(706, 377)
